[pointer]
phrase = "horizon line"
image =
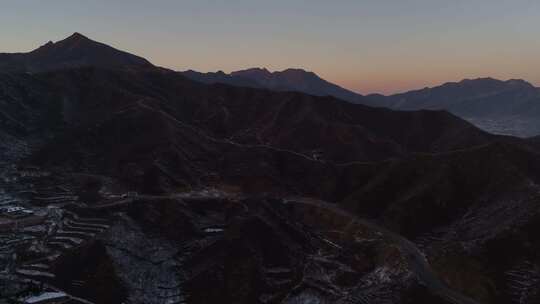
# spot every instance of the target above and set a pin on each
(308, 70)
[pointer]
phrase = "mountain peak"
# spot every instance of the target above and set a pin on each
(77, 39)
(254, 71)
(295, 70)
(262, 70)
(298, 73)
(482, 83)
(494, 83)
(47, 45)
(258, 74)
(74, 51)
(476, 81)
(519, 83)
(77, 36)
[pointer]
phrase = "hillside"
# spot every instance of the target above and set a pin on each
(72, 52)
(509, 107)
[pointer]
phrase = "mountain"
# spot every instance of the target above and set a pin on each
(502, 107)
(332, 129)
(222, 77)
(288, 80)
(477, 97)
(146, 185)
(74, 51)
(506, 107)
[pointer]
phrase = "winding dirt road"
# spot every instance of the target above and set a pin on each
(414, 256)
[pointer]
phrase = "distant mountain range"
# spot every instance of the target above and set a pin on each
(288, 80)
(504, 107)
(509, 107)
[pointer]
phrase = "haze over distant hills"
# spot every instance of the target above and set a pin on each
(504, 107)
(509, 107)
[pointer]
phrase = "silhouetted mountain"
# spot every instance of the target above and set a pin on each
(288, 80)
(503, 107)
(478, 97)
(74, 51)
(507, 107)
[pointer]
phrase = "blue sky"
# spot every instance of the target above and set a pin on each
(368, 46)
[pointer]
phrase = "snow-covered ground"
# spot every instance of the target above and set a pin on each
(44, 297)
(150, 267)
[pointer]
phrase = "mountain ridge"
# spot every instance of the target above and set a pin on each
(291, 79)
(76, 50)
(507, 107)
(510, 107)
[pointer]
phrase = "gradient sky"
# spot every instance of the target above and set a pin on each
(368, 46)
